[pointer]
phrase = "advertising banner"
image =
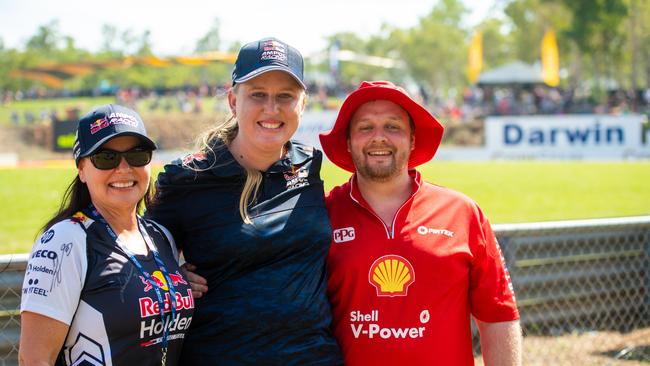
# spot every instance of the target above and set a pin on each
(565, 137)
(313, 123)
(63, 135)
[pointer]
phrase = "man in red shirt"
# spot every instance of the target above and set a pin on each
(410, 261)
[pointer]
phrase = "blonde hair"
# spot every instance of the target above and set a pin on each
(226, 132)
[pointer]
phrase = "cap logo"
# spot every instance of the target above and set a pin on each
(122, 119)
(98, 125)
(391, 275)
(273, 51)
(113, 119)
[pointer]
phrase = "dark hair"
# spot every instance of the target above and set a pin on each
(77, 198)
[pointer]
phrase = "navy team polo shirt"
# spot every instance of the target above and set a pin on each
(266, 302)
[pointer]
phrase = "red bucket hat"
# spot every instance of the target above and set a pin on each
(428, 131)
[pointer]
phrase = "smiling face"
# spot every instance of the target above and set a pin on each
(120, 188)
(268, 109)
(380, 140)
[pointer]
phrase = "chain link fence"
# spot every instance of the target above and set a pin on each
(12, 270)
(583, 291)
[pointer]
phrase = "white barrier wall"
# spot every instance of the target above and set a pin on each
(574, 137)
(565, 137)
(313, 123)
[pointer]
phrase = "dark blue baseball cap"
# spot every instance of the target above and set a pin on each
(104, 123)
(267, 54)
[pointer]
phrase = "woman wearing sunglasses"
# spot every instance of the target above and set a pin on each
(248, 211)
(103, 285)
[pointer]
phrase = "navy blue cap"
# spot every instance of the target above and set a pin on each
(267, 54)
(104, 123)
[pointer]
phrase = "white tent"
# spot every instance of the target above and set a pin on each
(513, 73)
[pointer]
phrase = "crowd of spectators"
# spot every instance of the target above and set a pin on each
(473, 103)
(479, 102)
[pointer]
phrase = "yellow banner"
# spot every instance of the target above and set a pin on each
(475, 60)
(550, 59)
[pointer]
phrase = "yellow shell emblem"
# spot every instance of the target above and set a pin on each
(391, 275)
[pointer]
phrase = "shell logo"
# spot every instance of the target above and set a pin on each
(391, 275)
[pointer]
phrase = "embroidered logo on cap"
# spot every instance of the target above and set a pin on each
(273, 50)
(98, 125)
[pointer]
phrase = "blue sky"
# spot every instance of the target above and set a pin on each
(176, 25)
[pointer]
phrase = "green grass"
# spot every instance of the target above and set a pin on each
(506, 191)
(511, 192)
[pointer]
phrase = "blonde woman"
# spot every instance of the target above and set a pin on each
(248, 212)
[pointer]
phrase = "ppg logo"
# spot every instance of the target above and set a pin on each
(344, 234)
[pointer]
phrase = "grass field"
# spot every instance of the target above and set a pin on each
(506, 191)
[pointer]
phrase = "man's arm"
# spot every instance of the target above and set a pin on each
(500, 343)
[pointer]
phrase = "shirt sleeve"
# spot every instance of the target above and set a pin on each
(170, 238)
(167, 209)
(56, 272)
(492, 297)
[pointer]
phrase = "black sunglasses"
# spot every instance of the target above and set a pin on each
(110, 159)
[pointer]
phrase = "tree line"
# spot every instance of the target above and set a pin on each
(603, 45)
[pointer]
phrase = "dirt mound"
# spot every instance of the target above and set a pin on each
(171, 132)
(177, 132)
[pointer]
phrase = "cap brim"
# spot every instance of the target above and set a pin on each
(144, 139)
(265, 69)
(428, 131)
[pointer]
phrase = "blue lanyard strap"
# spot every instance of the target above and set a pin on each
(94, 214)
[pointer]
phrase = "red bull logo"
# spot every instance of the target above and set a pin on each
(198, 156)
(273, 45)
(160, 281)
(151, 307)
(80, 217)
(98, 125)
(273, 51)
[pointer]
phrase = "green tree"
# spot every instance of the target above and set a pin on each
(529, 20)
(597, 29)
(641, 10)
(435, 50)
(110, 38)
(211, 41)
(498, 47)
(144, 44)
(46, 38)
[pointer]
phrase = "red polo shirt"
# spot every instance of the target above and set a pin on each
(403, 295)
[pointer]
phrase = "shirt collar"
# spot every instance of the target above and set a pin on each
(355, 193)
(225, 164)
(297, 154)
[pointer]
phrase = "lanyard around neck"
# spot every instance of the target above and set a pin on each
(95, 215)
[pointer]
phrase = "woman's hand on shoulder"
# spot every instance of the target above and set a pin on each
(198, 284)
